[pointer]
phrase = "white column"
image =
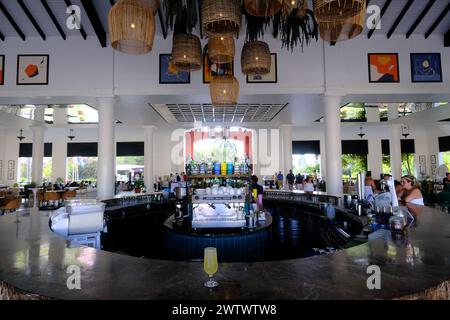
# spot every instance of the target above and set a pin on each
(106, 150)
(395, 150)
(149, 161)
(372, 114)
(392, 111)
(374, 158)
(38, 154)
(286, 146)
(59, 160)
(3, 161)
(333, 145)
(60, 116)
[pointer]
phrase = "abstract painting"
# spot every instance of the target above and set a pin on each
(426, 67)
(2, 68)
(383, 68)
(211, 69)
(168, 73)
(32, 69)
(271, 77)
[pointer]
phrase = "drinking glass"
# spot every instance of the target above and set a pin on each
(210, 266)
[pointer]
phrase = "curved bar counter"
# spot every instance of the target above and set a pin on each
(34, 260)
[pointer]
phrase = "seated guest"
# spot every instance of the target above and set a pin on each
(446, 182)
(369, 185)
(308, 185)
(411, 191)
(398, 188)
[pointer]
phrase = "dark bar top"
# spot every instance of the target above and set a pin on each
(35, 260)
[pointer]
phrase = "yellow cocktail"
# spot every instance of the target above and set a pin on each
(210, 266)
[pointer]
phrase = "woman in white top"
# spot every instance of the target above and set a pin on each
(411, 191)
(308, 185)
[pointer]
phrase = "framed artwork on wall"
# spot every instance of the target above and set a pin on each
(271, 77)
(422, 160)
(422, 170)
(32, 69)
(426, 67)
(433, 169)
(433, 159)
(169, 74)
(11, 165)
(383, 68)
(10, 174)
(211, 69)
(2, 70)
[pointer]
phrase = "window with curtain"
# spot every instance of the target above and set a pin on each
(26, 160)
(354, 158)
(407, 153)
(129, 161)
(306, 157)
(82, 162)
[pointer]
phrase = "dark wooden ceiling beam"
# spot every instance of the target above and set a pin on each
(399, 18)
(83, 33)
(200, 17)
(161, 22)
(2, 36)
(383, 11)
(32, 19)
(438, 21)
(420, 18)
(447, 39)
(53, 18)
(11, 20)
(95, 21)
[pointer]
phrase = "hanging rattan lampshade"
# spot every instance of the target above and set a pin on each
(329, 10)
(132, 25)
(345, 29)
(221, 17)
(262, 8)
(221, 49)
(224, 90)
(255, 58)
(186, 52)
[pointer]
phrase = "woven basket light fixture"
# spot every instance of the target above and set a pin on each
(262, 8)
(255, 58)
(343, 29)
(224, 90)
(221, 17)
(186, 52)
(332, 10)
(132, 25)
(221, 49)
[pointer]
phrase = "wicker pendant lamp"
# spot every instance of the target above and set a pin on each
(224, 90)
(262, 8)
(255, 58)
(132, 25)
(330, 10)
(221, 17)
(344, 29)
(186, 52)
(221, 49)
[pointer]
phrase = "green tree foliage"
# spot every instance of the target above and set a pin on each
(352, 164)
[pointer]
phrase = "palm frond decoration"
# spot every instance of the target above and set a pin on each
(176, 8)
(298, 27)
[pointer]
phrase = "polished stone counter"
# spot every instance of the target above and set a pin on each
(35, 260)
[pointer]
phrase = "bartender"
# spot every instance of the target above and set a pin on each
(257, 192)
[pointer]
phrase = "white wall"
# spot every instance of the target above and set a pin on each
(82, 68)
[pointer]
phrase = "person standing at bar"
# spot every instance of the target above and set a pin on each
(299, 181)
(280, 180)
(290, 179)
(257, 192)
